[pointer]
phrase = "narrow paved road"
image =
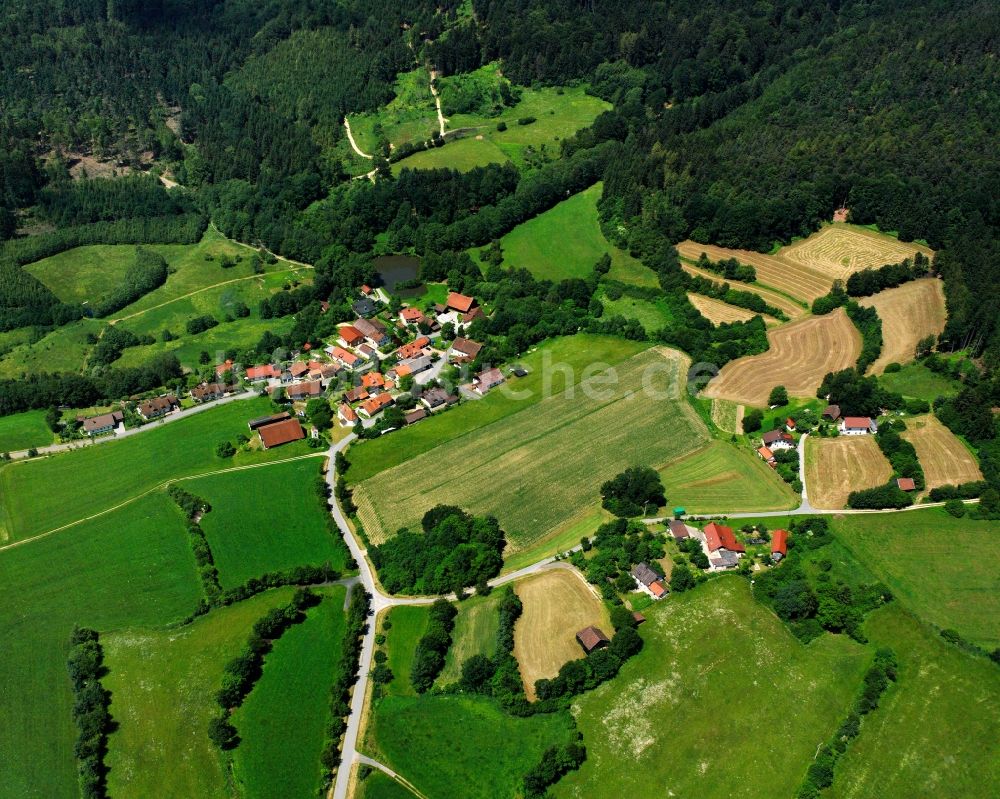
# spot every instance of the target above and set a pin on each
(173, 417)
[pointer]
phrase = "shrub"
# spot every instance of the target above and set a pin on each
(955, 507)
(526, 120)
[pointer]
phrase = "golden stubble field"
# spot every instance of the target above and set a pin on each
(942, 455)
(557, 604)
(801, 353)
(541, 466)
(837, 466)
(720, 313)
(909, 313)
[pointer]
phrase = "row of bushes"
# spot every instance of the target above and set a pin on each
(344, 678)
(741, 299)
(883, 496)
(900, 453)
(193, 506)
(498, 676)
(90, 711)
(556, 761)
(871, 281)
(729, 268)
(877, 679)
(243, 671)
(868, 323)
(961, 491)
(428, 658)
(148, 272)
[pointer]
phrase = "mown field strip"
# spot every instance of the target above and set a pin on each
(720, 313)
(909, 313)
(837, 466)
(791, 309)
(536, 468)
(795, 279)
(942, 455)
(840, 250)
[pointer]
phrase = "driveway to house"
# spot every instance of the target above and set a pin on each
(125, 433)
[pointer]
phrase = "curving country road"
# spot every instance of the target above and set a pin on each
(354, 144)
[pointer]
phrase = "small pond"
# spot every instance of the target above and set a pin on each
(395, 269)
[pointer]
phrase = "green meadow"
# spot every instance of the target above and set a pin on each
(722, 701)
(48, 493)
(937, 730)
(378, 785)
(487, 751)
(126, 569)
(460, 154)
(282, 723)
(409, 623)
(65, 349)
(939, 567)
(23, 431)
(569, 357)
(475, 633)
(917, 381)
(266, 520)
(566, 241)
(409, 116)
(653, 315)
(721, 478)
(163, 684)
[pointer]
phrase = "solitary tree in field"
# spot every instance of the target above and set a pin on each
(752, 420)
(778, 396)
(633, 491)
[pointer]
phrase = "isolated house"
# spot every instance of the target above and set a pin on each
(779, 544)
(790, 424)
(857, 426)
(105, 423)
(157, 407)
(591, 638)
(277, 433)
(487, 380)
(778, 439)
(766, 455)
(906, 484)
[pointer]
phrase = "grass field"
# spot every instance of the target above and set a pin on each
(487, 752)
(381, 786)
(163, 684)
(566, 241)
(839, 250)
(916, 380)
(942, 455)
(719, 313)
(939, 567)
(937, 730)
(722, 701)
(837, 466)
(282, 722)
(475, 633)
(557, 604)
(265, 520)
(793, 309)
(47, 493)
(409, 623)
(461, 154)
(719, 478)
(801, 353)
(727, 416)
(795, 279)
(909, 313)
(409, 116)
(121, 570)
(540, 475)
(653, 315)
(547, 365)
(23, 431)
(65, 349)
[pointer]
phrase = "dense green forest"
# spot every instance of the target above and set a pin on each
(736, 123)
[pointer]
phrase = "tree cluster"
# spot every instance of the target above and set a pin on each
(632, 492)
(91, 712)
(428, 657)
(148, 272)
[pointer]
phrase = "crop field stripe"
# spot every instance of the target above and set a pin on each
(150, 491)
(840, 249)
(942, 455)
(718, 312)
(837, 466)
(909, 313)
(792, 308)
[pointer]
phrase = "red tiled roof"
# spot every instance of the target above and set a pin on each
(460, 302)
(376, 404)
(340, 354)
(222, 368)
(790, 422)
(366, 289)
(309, 389)
(765, 453)
(779, 541)
(278, 433)
(857, 422)
(347, 412)
(298, 368)
(350, 334)
(402, 370)
(906, 484)
(411, 314)
(372, 379)
(656, 587)
(466, 346)
(719, 536)
(262, 372)
(415, 347)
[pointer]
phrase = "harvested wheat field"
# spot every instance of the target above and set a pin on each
(909, 313)
(557, 604)
(720, 313)
(801, 354)
(942, 455)
(837, 466)
(840, 250)
(539, 463)
(792, 309)
(796, 279)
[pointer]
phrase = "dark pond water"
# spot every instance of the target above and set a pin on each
(395, 269)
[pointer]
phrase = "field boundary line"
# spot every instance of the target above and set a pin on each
(148, 491)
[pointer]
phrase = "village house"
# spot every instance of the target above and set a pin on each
(365, 308)
(398, 371)
(412, 316)
(591, 638)
(346, 415)
(373, 330)
(367, 291)
(857, 426)
(416, 347)
(464, 349)
(375, 405)
(436, 398)
(475, 313)
(779, 544)
(790, 424)
(260, 421)
(778, 439)
(342, 356)
(280, 432)
(305, 390)
(368, 352)
(298, 370)
(414, 416)
(906, 484)
(256, 374)
(720, 546)
(648, 581)
(831, 412)
(418, 364)
(157, 407)
(489, 379)
(356, 394)
(207, 392)
(104, 423)
(222, 368)
(349, 336)
(460, 302)
(679, 530)
(767, 456)
(375, 382)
